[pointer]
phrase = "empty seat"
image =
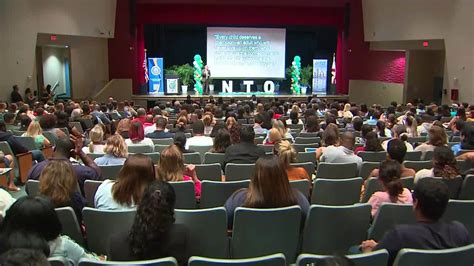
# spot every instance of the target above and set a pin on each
(90, 188)
(154, 156)
(140, 149)
(210, 157)
(375, 258)
(102, 224)
(234, 172)
(309, 134)
(302, 186)
(454, 186)
(110, 171)
(334, 229)
(461, 211)
(170, 261)
(201, 149)
(185, 196)
(207, 231)
(465, 165)
(282, 227)
(370, 156)
(23, 162)
(418, 165)
(453, 256)
(215, 194)
(389, 215)
(266, 148)
(270, 260)
(467, 188)
(337, 170)
(70, 224)
(336, 191)
(27, 142)
(211, 171)
(192, 158)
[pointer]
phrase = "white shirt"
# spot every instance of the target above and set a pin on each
(199, 141)
(145, 141)
(150, 129)
(96, 148)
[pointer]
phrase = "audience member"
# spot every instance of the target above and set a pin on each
(436, 138)
(287, 154)
(396, 150)
(160, 132)
(221, 141)
(137, 135)
(198, 138)
(96, 144)
(399, 132)
(444, 165)
(34, 131)
(343, 153)
(115, 152)
(123, 128)
(244, 152)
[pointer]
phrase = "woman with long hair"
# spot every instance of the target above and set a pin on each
(436, 137)
(171, 168)
(137, 135)
(312, 125)
(125, 193)
(209, 122)
(294, 118)
(123, 128)
(269, 188)
(444, 165)
(221, 141)
(412, 126)
(115, 152)
(372, 143)
(287, 154)
(34, 130)
(153, 234)
(58, 182)
(96, 145)
(330, 138)
(393, 192)
(35, 216)
(382, 130)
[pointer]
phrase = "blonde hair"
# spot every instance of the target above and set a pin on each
(123, 126)
(96, 135)
(277, 124)
(171, 164)
(274, 135)
(295, 108)
(34, 129)
(116, 146)
(207, 119)
(58, 181)
(286, 153)
(230, 121)
(347, 107)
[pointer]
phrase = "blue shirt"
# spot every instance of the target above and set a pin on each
(104, 198)
(109, 159)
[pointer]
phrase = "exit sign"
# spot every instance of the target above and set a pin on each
(53, 37)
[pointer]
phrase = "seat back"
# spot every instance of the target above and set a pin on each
(467, 188)
(326, 231)
(465, 165)
(160, 147)
(307, 140)
(102, 224)
(110, 171)
(418, 165)
(427, 156)
(458, 256)
(389, 215)
(166, 141)
(270, 260)
(32, 187)
(461, 211)
(266, 148)
(416, 140)
(27, 142)
(140, 149)
(371, 156)
(215, 194)
(210, 157)
(454, 186)
(278, 230)
(302, 147)
(51, 137)
(58, 261)
(78, 126)
(373, 185)
(201, 149)
(302, 186)
(70, 224)
(337, 170)
(413, 156)
(374, 258)
(207, 231)
(90, 188)
(211, 171)
(169, 261)
(192, 158)
(367, 168)
(154, 156)
(94, 156)
(235, 172)
(348, 191)
(185, 197)
(308, 166)
(303, 157)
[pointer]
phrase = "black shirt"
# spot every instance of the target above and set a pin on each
(243, 153)
(16, 97)
(439, 235)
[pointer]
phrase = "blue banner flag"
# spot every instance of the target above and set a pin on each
(155, 74)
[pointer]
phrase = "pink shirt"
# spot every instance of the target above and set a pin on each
(197, 186)
(380, 197)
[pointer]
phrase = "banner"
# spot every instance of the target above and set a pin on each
(320, 70)
(155, 74)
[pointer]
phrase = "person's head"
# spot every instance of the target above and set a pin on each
(444, 163)
(116, 147)
(32, 215)
(396, 150)
(400, 132)
(467, 137)
(136, 132)
(430, 199)
(58, 182)
(207, 119)
(141, 112)
(136, 174)
(330, 135)
(381, 128)
(278, 124)
(294, 117)
(372, 142)
(221, 140)
(348, 140)
(15, 88)
(230, 121)
(357, 123)
(247, 134)
(179, 140)
(274, 135)
(437, 136)
(198, 128)
(161, 123)
(258, 119)
(25, 256)
(24, 122)
(34, 129)
(123, 126)
(390, 173)
(269, 186)
(48, 121)
(171, 164)
(312, 124)
(286, 152)
(154, 218)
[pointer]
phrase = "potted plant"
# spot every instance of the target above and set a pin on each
(185, 73)
(306, 75)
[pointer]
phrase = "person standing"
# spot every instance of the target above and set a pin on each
(15, 95)
(206, 75)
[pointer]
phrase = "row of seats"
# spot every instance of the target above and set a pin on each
(325, 229)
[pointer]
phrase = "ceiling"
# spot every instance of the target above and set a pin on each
(298, 3)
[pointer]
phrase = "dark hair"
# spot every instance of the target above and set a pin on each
(467, 143)
(390, 173)
(47, 121)
(33, 215)
(161, 122)
(8, 117)
(330, 135)
(247, 134)
(198, 127)
(381, 127)
(397, 150)
(312, 124)
(432, 197)
(221, 141)
(400, 131)
(444, 163)
(24, 122)
(22, 240)
(357, 123)
(179, 140)
(437, 136)
(365, 129)
(153, 221)
(294, 117)
(372, 142)
(23, 256)
(269, 186)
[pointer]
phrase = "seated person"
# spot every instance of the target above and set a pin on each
(343, 153)
(153, 234)
(96, 144)
(287, 154)
(274, 137)
(396, 150)
(444, 165)
(221, 141)
(137, 135)
(160, 131)
(34, 131)
(115, 152)
(245, 151)
(180, 140)
(430, 199)
(198, 138)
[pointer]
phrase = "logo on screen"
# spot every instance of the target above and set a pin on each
(155, 70)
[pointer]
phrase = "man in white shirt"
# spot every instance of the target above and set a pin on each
(343, 153)
(198, 138)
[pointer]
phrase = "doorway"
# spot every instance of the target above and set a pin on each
(53, 64)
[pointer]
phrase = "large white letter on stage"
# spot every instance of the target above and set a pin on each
(269, 86)
(227, 87)
(248, 84)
